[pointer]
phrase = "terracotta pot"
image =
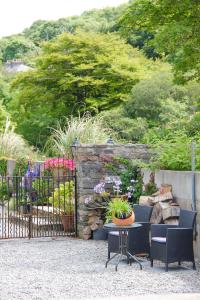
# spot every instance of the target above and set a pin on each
(124, 222)
(68, 222)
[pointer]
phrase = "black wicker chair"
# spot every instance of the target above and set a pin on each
(138, 239)
(173, 243)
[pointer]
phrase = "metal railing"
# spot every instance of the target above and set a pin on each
(38, 206)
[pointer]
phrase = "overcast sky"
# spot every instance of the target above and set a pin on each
(16, 15)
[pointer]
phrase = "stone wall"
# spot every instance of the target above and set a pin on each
(181, 182)
(89, 161)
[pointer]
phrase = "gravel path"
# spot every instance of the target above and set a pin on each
(66, 268)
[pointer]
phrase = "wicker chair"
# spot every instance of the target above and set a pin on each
(173, 243)
(138, 240)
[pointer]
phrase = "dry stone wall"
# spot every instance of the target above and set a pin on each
(90, 161)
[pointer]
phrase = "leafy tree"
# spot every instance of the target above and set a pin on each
(15, 47)
(75, 73)
(41, 31)
(175, 26)
(145, 98)
(96, 20)
(127, 129)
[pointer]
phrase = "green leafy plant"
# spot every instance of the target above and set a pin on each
(43, 185)
(150, 188)
(21, 167)
(63, 198)
(130, 176)
(118, 208)
(4, 192)
(3, 167)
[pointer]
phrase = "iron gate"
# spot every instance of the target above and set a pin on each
(38, 206)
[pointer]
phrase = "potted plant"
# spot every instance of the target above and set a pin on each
(63, 201)
(120, 212)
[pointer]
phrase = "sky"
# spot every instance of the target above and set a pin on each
(16, 15)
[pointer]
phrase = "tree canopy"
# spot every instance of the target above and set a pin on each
(15, 47)
(176, 26)
(76, 72)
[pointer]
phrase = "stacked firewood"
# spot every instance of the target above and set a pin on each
(95, 219)
(165, 209)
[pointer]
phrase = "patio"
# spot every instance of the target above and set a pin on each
(64, 268)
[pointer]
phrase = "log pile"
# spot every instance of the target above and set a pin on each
(165, 209)
(96, 208)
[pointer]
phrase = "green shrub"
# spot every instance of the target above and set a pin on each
(4, 192)
(130, 176)
(3, 167)
(63, 197)
(174, 153)
(125, 128)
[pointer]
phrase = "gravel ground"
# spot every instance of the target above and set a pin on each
(67, 268)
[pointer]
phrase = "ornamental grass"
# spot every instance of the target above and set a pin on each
(13, 146)
(86, 129)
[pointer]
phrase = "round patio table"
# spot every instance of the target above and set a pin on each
(123, 243)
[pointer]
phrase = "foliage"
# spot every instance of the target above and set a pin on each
(150, 188)
(3, 117)
(4, 192)
(118, 208)
(3, 167)
(173, 153)
(75, 73)
(145, 98)
(87, 130)
(156, 106)
(15, 47)
(63, 197)
(176, 30)
(43, 187)
(131, 179)
(125, 128)
(21, 167)
(13, 146)
(97, 20)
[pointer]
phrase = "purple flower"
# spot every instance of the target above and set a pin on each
(129, 195)
(99, 188)
(88, 200)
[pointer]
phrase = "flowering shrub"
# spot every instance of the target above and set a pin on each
(59, 162)
(104, 192)
(63, 197)
(130, 177)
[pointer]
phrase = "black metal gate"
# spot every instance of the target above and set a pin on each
(38, 206)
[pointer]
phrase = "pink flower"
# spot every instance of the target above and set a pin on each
(59, 163)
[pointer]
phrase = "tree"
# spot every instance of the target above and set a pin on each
(175, 25)
(145, 100)
(85, 71)
(95, 20)
(15, 47)
(41, 31)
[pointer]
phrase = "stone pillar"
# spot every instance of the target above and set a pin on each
(89, 161)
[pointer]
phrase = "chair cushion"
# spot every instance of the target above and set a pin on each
(114, 233)
(159, 239)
